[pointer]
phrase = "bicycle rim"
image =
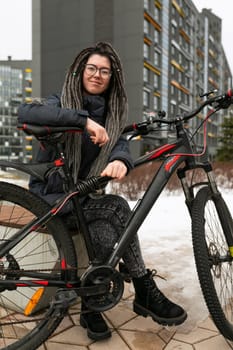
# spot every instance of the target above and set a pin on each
(26, 316)
(212, 230)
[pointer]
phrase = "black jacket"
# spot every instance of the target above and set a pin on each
(51, 113)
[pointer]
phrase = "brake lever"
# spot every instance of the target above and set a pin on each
(142, 129)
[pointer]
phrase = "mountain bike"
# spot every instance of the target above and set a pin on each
(39, 267)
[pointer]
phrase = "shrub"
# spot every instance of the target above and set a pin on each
(132, 186)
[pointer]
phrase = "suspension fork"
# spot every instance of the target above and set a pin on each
(189, 189)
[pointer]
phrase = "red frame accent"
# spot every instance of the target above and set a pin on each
(171, 162)
(58, 162)
(63, 264)
(161, 150)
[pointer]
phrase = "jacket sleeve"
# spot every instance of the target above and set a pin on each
(50, 112)
(121, 152)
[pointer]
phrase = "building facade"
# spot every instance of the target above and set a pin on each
(171, 54)
(15, 88)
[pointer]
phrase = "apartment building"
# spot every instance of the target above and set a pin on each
(171, 54)
(15, 88)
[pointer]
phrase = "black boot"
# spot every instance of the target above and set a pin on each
(150, 301)
(95, 324)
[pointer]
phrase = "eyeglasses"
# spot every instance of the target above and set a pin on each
(91, 70)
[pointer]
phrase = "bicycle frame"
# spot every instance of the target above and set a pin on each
(175, 153)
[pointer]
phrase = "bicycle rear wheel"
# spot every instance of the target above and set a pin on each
(212, 231)
(26, 317)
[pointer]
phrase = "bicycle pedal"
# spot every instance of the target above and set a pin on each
(64, 298)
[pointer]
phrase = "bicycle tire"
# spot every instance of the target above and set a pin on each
(212, 234)
(41, 250)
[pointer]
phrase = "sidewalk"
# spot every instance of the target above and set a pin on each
(132, 332)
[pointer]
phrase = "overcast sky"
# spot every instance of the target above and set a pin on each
(224, 10)
(15, 29)
(15, 26)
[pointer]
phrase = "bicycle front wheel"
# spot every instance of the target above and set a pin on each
(212, 233)
(26, 316)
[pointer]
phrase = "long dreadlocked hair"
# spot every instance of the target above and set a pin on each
(117, 108)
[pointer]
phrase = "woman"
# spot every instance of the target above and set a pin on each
(94, 98)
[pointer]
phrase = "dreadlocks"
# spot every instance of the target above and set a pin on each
(72, 97)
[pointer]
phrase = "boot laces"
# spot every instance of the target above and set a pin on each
(153, 290)
(154, 273)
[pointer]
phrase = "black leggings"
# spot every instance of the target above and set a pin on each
(106, 217)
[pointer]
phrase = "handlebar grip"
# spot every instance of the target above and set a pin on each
(92, 184)
(229, 93)
(129, 128)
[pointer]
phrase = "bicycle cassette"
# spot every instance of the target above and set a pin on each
(113, 282)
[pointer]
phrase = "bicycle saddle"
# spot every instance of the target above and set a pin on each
(46, 130)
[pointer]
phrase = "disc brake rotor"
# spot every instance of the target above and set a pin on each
(8, 270)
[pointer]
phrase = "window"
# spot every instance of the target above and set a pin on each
(146, 75)
(156, 13)
(173, 30)
(156, 81)
(179, 95)
(146, 27)
(186, 99)
(156, 103)
(173, 50)
(156, 36)
(180, 77)
(173, 110)
(146, 4)
(146, 50)
(172, 90)
(156, 58)
(146, 98)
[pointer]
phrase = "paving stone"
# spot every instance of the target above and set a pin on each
(195, 336)
(176, 345)
(230, 343)
(56, 346)
(167, 333)
(142, 340)
(41, 347)
(113, 343)
(64, 325)
(120, 314)
(215, 343)
(140, 323)
(73, 336)
(208, 324)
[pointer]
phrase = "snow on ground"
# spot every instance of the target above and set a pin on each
(166, 243)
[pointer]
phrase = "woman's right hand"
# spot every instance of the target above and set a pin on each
(98, 133)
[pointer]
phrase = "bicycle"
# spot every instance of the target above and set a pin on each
(38, 261)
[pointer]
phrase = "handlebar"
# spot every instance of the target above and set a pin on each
(218, 102)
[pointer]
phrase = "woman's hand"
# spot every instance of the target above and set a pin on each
(97, 133)
(116, 169)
